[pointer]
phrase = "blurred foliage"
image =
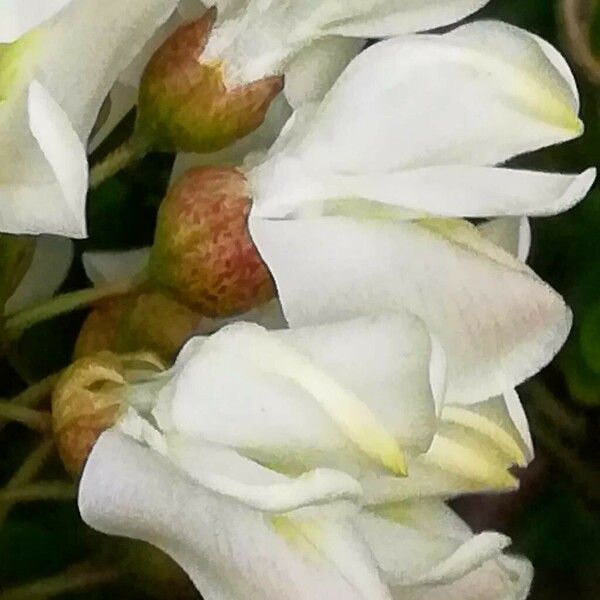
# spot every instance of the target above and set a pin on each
(554, 518)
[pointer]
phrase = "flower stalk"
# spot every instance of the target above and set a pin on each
(132, 150)
(34, 419)
(43, 490)
(72, 580)
(30, 467)
(17, 323)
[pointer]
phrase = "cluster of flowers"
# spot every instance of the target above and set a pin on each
(370, 337)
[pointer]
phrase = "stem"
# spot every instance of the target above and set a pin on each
(43, 490)
(575, 17)
(32, 464)
(129, 152)
(34, 419)
(555, 412)
(582, 474)
(69, 581)
(18, 322)
(33, 395)
(30, 467)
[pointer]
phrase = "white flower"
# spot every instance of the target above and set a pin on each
(259, 463)
(355, 211)
(311, 42)
(262, 38)
(55, 71)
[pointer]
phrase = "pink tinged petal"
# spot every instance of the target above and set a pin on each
(498, 323)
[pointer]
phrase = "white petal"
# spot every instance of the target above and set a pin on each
(225, 472)
(114, 266)
(43, 169)
(96, 44)
(424, 481)
(411, 551)
(53, 199)
(390, 17)
(437, 191)
(496, 430)
(18, 17)
(312, 72)
(511, 233)
(50, 264)
(472, 452)
(263, 37)
(506, 578)
(471, 98)
(444, 82)
(460, 452)
(517, 414)
(227, 549)
(378, 368)
(498, 323)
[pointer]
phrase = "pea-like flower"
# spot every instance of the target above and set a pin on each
(58, 61)
(279, 464)
(310, 43)
(357, 210)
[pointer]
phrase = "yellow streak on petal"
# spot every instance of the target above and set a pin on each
(303, 535)
(460, 460)
(547, 103)
(486, 427)
(347, 410)
(15, 62)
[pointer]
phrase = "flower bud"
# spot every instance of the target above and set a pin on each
(184, 103)
(157, 323)
(148, 321)
(99, 330)
(88, 399)
(203, 252)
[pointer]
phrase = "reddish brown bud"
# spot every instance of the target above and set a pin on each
(184, 104)
(88, 399)
(158, 323)
(147, 321)
(99, 330)
(203, 252)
